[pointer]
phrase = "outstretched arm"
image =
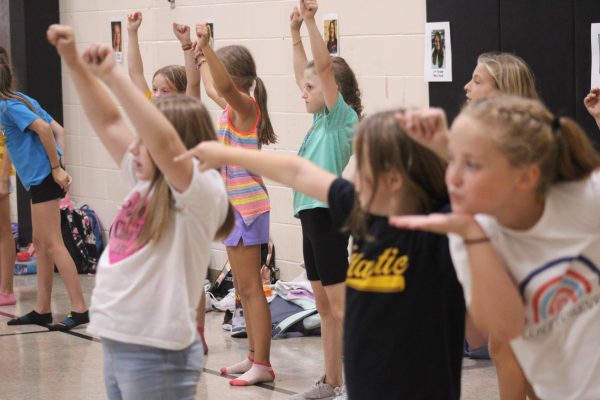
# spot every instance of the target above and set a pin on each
(496, 305)
(182, 33)
(323, 63)
(98, 105)
(135, 66)
(300, 60)
(592, 104)
(292, 171)
(239, 102)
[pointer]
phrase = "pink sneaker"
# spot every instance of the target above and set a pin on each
(7, 299)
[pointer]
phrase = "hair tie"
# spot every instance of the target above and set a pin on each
(555, 123)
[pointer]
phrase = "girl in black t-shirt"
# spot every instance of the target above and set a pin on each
(404, 320)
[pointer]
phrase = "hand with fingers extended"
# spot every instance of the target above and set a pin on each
(295, 20)
(134, 21)
(63, 38)
(100, 60)
(308, 9)
(210, 153)
(182, 33)
(203, 35)
(592, 104)
(427, 127)
(62, 178)
(464, 225)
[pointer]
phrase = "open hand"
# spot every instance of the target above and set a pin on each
(461, 224)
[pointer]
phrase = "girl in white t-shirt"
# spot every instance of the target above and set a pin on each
(150, 277)
(524, 234)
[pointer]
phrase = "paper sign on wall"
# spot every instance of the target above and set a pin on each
(438, 52)
(116, 38)
(595, 55)
(331, 33)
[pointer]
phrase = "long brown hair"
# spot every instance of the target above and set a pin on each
(387, 147)
(175, 76)
(241, 67)
(7, 81)
(347, 83)
(193, 123)
(528, 134)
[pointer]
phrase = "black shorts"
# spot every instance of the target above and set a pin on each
(325, 248)
(48, 190)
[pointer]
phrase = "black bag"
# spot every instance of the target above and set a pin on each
(223, 283)
(80, 241)
(269, 271)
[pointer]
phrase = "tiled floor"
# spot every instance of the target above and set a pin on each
(37, 364)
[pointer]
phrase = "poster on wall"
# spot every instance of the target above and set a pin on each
(211, 33)
(595, 55)
(331, 33)
(438, 52)
(116, 38)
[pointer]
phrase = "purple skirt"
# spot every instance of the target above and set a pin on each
(256, 233)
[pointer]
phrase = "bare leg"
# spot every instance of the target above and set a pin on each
(7, 247)
(45, 218)
(330, 304)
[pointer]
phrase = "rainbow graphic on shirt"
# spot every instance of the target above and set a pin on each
(557, 284)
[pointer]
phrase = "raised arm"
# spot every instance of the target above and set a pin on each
(290, 170)
(496, 305)
(592, 104)
(182, 33)
(239, 102)
(135, 66)
(98, 105)
(323, 63)
(158, 135)
(300, 60)
(206, 76)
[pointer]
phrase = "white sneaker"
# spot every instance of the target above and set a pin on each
(341, 393)
(320, 390)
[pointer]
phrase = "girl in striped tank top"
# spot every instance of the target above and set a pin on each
(245, 123)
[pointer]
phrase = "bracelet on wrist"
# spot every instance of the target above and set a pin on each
(483, 239)
(186, 47)
(58, 166)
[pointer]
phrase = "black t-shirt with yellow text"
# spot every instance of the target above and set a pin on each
(405, 311)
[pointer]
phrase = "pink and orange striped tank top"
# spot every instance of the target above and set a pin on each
(247, 191)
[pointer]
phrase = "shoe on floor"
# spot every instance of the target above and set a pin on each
(7, 299)
(320, 390)
(341, 393)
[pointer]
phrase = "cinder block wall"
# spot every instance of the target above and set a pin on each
(382, 40)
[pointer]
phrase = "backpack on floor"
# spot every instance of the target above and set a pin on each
(96, 227)
(80, 241)
(269, 272)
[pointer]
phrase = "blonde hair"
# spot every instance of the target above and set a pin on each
(388, 147)
(510, 73)
(528, 134)
(192, 122)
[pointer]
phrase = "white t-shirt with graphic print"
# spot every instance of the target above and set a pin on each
(556, 265)
(148, 294)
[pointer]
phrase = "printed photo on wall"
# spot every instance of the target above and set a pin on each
(595, 82)
(116, 39)
(438, 52)
(331, 33)
(211, 31)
